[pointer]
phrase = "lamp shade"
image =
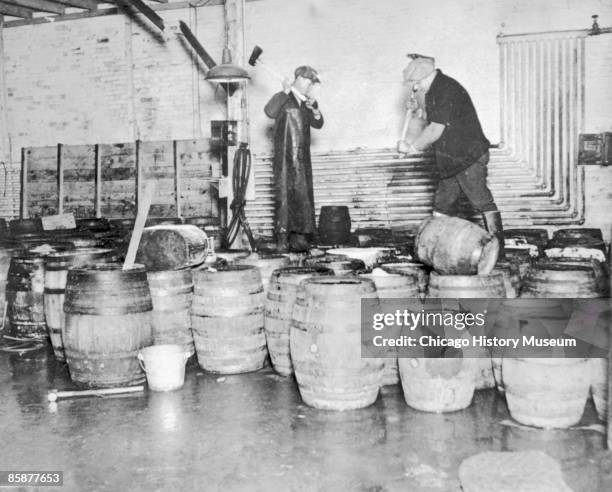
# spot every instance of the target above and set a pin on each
(227, 72)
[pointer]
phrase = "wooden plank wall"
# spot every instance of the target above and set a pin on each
(104, 180)
(40, 193)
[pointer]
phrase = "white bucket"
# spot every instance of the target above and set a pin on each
(164, 366)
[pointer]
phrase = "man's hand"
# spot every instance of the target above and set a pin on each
(404, 148)
(311, 103)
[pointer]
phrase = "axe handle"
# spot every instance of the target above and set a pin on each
(297, 93)
(407, 118)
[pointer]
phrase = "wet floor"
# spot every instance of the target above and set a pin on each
(252, 432)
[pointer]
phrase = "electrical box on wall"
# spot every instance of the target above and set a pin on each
(223, 132)
(595, 148)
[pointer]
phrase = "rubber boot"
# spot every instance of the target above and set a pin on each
(493, 223)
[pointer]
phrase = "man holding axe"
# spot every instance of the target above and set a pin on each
(295, 111)
(453, 131)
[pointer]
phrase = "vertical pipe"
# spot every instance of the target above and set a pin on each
(98, 181)
(23, 213)
(60, 179)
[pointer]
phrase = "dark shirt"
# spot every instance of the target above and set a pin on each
(462, 142)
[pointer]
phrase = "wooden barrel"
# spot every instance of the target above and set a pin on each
(280, 299)
(266, 265)
(227, 319)
(438, 384)
(466, 286)
(25, 287)
(410, 268)
(172, 295)
(393, 286)
(578, 233)
(211, 226)
(93, 224)
(108, 320)
(334, 224)
(454, 246)
(373, 236)
(585, 247)
(563, 279)
(340, 265)
(537, 238)
(546, 392)
(476, 287)
(599, 386)
(19, 227)
(325, 341)
(168, 247)
(371, 257)
(56, 274)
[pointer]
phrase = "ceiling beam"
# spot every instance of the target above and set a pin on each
(40, 5)
(15, 11)
(80, 4)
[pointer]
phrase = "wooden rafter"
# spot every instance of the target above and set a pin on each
(14, 11)
(80, 4)
(39, 5)
(147, 11)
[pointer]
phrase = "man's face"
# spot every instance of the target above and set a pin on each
(303, 85)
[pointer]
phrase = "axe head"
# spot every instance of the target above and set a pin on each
(257, 51)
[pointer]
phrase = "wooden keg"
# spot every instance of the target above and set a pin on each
(453, 246)
(438, 384)
(108, 320)
(546, 392)
(393, 286)
(56, 274)
(490, 286)
(526, 237)
(280, 299)
(172, 295)
(227, 319)
(20, 227)
(410, 268)
(266, 265)
(334, 224)
(93, 224)
(325, 341)
(563, 279)
(340, 265)
(25, 287)
(579, 247)
(466, 286)
(168, 247)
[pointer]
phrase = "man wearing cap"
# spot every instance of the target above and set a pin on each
(461, 148)
(294, 111)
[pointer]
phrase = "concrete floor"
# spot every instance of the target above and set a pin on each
(252, 432)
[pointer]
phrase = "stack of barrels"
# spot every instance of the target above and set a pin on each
(463, 257)
(551, 391)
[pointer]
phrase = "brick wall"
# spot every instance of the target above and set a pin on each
(109, 79)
